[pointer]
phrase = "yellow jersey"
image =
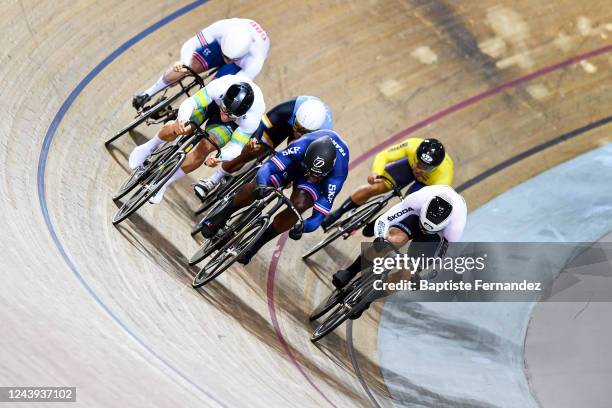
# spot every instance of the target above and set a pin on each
(443, 174)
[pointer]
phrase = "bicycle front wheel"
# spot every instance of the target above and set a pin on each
(230, 252)
(159, 176)
(335, 319)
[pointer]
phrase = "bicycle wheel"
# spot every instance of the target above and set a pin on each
(141, 173)
(144, 116)
(335, 319)
(227, 255)
(159, 176)
(333, 299)
(211, 245)
(356, 221)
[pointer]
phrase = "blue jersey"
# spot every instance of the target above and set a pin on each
(286, 166)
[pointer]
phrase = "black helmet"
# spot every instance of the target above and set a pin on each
(431, 153)
(320, 157)
(435, 214)
(238, 99)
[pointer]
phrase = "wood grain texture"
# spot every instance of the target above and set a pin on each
(371, 61)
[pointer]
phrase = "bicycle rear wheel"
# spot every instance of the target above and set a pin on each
(149, 187)
(227, 255)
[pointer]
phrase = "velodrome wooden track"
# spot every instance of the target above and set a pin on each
(111, 311)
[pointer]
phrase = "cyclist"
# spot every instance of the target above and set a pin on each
(317, 164)
(235, 45)
(430, 217)
(424, 162)
(232, 107)
(286, 121)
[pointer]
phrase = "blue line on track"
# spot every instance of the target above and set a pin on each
(42, 165)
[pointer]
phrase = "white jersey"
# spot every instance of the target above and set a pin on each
(251, 63)
(412, 204)
(215, 90)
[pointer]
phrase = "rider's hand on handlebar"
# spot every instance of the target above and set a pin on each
(295, 233)
(179, 128)
(373, 179)
(260, 192)
(379, 244)
(253, 145)
(179, 67)
(212, 161)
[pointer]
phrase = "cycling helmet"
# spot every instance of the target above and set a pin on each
(310, 116)
(320, 157)
(435, 214)
(236, 42)
(237, 100)
(430, 153)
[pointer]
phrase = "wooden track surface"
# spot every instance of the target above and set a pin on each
(115, 314)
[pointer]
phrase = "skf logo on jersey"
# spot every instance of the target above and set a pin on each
(291, 150)
(426, 158)
(331, 193)
(318, 162)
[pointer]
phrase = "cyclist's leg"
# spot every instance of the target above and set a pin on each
(357, 197)
(220, 133)
(244, 196)
(167, 133)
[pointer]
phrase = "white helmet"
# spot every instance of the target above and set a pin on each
(237, 42)
(311, 115)
(435, 214)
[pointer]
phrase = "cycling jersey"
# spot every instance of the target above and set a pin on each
(277, 124)
(195, 108)
(412, 204)
(208, 51)
(391, 159)
(286, 166)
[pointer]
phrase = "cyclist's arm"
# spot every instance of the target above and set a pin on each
(252, 66)
(443, 174)
(279, 163)
(392, 154)
(324, 203)
(214, 32)
(194, 108)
